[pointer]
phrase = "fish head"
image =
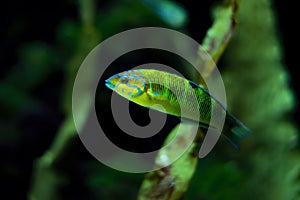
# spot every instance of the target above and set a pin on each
(128, 84)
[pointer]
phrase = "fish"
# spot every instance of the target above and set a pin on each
(177, 96)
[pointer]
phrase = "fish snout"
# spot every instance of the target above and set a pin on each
(111, 82)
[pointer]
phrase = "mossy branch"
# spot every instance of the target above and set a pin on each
(219, 35)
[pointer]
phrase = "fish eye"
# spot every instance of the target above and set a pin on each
(124, 80)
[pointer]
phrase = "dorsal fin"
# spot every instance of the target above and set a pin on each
(195, 85)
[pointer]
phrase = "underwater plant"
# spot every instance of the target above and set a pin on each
(257, 53)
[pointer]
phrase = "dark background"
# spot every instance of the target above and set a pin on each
(23, 22)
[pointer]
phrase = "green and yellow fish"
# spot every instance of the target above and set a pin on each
(148, 87)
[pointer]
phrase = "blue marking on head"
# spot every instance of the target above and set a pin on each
(109, 84)
(125, 74)
(141, 73)
(139, 91)
(144, 85)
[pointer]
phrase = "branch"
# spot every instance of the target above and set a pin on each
(218, 36)
(172, 181)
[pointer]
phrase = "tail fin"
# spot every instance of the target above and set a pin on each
(234, 130)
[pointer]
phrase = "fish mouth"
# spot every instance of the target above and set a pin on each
(112, 82)
(109, 84)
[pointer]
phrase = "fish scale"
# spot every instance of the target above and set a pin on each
(183, 90)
